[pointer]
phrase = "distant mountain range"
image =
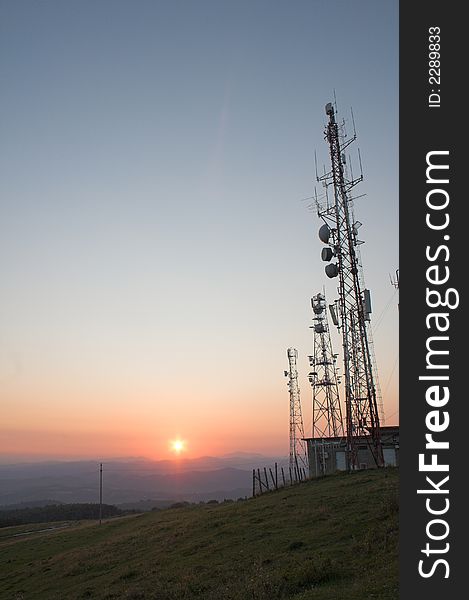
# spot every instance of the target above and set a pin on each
(132, 481)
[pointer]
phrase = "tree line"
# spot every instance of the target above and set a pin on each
(58, 512)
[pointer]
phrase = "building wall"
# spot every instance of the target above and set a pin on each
(328, 455)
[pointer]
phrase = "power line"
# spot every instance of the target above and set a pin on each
(383, 312)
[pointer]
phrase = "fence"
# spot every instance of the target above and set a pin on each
(261, 484)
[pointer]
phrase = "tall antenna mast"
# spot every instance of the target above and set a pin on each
(327, 413)
(298, 453)
(340, 233)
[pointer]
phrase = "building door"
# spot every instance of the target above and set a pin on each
(340, 461)
(389, 457)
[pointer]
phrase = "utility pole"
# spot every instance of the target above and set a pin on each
(100, 492)
(340, 234)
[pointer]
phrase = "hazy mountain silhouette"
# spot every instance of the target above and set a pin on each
(132, 479)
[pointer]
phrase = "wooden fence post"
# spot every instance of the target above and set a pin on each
(272, 477)
(266, 479)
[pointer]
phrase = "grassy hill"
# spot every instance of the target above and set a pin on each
(333, 539)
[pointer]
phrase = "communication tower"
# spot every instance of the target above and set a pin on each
(327, 430)
(298, 453)
(340, 234)
(327, 413)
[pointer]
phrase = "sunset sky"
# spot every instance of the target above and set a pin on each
(156, 254)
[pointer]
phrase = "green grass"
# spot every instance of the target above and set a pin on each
(332, 539)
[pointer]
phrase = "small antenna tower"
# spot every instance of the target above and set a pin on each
(340, 233)
(395, 283)
(298, 453)
(324, 379)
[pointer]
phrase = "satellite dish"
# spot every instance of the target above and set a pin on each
(326, 254)
(317, 307)
(324, 233)
(332, 270)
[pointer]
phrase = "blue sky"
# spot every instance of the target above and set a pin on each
(157, 257)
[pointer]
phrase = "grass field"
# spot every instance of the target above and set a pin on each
(332, 539)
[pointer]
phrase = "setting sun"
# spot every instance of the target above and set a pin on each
(178, 446)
